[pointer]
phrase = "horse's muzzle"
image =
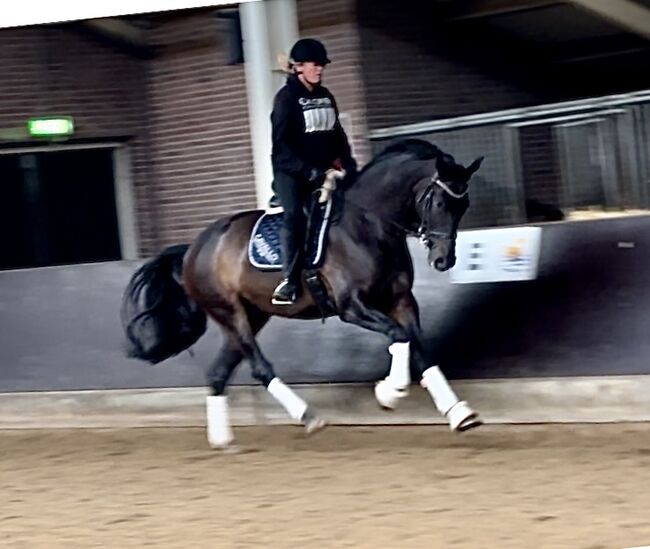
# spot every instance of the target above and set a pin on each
(442, 256)
(443, 264)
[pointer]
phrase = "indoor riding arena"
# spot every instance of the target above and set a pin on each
(126, 134)
(407, 486)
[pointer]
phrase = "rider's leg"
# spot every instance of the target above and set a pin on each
(293, 194)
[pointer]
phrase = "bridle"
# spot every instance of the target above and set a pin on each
(427, 235)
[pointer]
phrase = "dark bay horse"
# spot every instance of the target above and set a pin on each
(410, 188)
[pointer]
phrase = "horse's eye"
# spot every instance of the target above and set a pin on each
(438, 204)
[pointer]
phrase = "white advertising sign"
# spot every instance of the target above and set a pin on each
(497, 255)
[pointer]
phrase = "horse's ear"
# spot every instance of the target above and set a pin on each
(475, 165)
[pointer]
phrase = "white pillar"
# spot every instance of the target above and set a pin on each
(283, 33)
(269, 27)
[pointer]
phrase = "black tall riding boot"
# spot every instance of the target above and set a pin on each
(292, 252)
(293, 193)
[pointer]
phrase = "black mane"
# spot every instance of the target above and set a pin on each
(417, 148)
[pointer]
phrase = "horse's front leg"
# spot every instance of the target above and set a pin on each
(394, 387)
(460, 415)
(402, 325)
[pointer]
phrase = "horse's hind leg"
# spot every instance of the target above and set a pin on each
(262, 370)
(218, 422)
(230, 356)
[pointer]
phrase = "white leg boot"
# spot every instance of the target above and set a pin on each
(218, 422)
(395, 387)
(292, 403)
(461, 417)
(295, 406)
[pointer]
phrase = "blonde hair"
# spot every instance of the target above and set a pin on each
(286, 64)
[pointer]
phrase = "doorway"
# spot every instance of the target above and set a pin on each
(58, 208)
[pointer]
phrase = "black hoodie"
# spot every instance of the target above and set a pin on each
(307, 133)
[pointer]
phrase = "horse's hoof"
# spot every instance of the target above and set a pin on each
(462, 417)
(231, 449)
(471, 423)
(388, 396)
(314, 425)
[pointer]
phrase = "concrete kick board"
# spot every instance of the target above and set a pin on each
(555, 400)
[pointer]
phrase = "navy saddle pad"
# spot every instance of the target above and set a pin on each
(264, 250)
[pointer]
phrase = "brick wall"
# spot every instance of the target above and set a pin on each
(49, 70)
(184, 111)
(415, 71)
(201, 151)
(334, 22)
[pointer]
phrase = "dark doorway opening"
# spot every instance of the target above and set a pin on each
(57, 208)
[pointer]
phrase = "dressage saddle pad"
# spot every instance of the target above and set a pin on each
(265, 251)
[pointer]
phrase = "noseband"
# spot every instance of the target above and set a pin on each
(427, 235)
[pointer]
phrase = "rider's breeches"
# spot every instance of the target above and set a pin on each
(293, 194)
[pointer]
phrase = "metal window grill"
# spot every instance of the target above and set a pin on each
(550, 162)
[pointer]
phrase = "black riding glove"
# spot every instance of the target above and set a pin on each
(350, 167)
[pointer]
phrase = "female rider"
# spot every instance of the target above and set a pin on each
(308, 140)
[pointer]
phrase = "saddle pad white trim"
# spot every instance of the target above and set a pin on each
(319, 250)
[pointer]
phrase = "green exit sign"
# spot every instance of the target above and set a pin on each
(51, 126)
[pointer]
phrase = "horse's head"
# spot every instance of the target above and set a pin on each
(441, 199)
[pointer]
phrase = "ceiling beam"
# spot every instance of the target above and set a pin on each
(119, 30)
(121, 33)
(596, 47)
(478, 9)
(627, 14)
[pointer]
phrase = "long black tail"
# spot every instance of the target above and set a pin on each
(159, 318)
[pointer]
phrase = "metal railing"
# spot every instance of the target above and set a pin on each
(547, 162)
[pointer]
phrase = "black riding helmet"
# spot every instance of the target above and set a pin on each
(309, 49)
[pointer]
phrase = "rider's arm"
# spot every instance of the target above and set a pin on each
(284, 157)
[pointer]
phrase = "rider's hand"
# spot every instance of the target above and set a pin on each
(350, 167)
(338, 173)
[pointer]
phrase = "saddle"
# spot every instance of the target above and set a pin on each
(265, 250)
(264, 247)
